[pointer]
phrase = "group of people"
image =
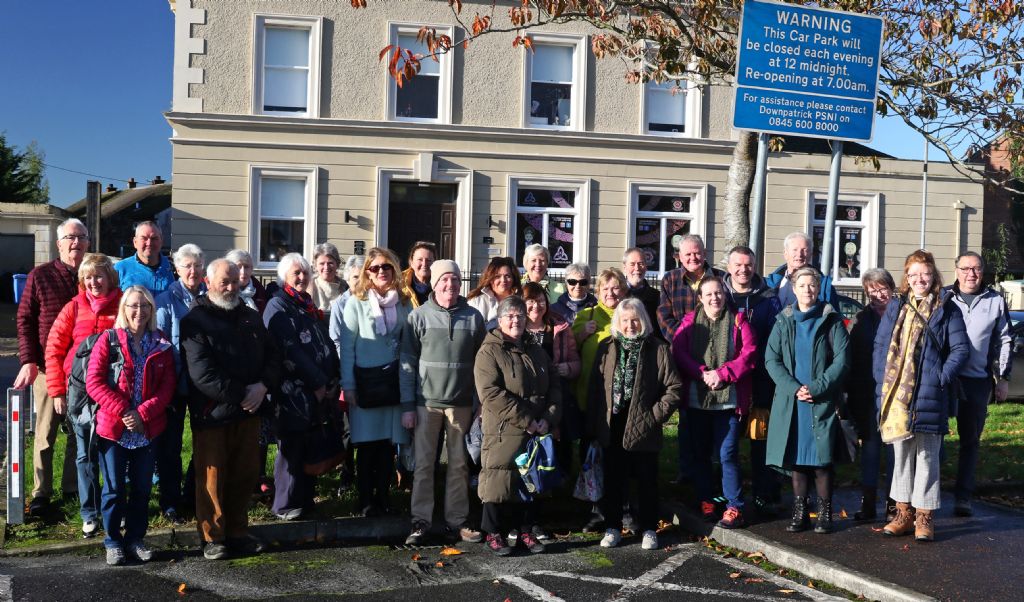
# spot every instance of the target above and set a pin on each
(392, 360)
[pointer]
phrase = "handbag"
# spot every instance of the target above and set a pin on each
(590, 484)
(378, 387)
(757, 427)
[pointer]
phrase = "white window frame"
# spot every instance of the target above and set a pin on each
(315, 27)
(698, 194)
(868, 222)
(581, 213)
(444, 84)
(693, 112)
(463, 206)
(307, 173)
(579, 79)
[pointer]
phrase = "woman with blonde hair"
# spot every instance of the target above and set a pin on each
(370, 340)
(919, 348)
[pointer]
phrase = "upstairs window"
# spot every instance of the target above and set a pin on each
(554, 90)
(671, 108)
(287, 66)
(427, 96)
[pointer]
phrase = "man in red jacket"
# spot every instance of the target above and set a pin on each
(48, 288)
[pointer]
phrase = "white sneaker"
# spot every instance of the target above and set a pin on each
(611, 538)
(89, 528)
(650, 541)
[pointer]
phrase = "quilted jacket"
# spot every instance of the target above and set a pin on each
(75, 323)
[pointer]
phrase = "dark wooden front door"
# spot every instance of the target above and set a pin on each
(421, 212)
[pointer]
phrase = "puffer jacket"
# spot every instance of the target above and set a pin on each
(516, 385)
(75, 323)
(934, 399)
(656, 394)
(737, 371)
(158, 381)
(564, 346)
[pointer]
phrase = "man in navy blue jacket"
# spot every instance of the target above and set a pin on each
(797, 249)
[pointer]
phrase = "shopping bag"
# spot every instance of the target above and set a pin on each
(590, 484)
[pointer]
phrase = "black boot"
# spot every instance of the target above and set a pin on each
(867, 505)
(801, 520)
(824, 524)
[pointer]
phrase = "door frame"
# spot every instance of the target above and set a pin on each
(463, 207)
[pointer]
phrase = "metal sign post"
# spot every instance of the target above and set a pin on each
(17, 401)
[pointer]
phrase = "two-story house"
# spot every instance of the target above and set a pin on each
(289, 131)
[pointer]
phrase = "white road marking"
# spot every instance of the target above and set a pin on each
(531, 589)
(811, 593)
(670, 587)
(6, 587)
(657, 573)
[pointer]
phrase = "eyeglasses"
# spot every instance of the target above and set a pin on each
(139, 306)
(514, 317)
(575, 282)
(373, 269)
(970, 270)
(75, 237)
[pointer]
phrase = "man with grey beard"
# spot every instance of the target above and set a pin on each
(232, 363)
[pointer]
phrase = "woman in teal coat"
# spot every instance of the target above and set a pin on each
(806, 357)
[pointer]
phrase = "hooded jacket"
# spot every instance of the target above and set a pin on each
(75, 323)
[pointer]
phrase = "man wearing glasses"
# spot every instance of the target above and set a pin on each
(635, 269)
(987, 370)
(148, 267)
(48, 288)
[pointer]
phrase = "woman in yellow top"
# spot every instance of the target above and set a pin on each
(593, 325)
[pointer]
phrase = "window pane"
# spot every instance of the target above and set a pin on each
(560, 240)
(675, 229)
(287, 46)
(819, 238)
(849, 213)
(417, 97)
(428, 66)
(282, 197)
(529, 230)
(665, 110)
(850, 243)
(552, 63)
(663, 203)
(285, 90)
(647, 237)
(280, 237)
(530, 197)
(551, 102)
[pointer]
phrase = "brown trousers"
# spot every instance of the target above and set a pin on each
(227, 470)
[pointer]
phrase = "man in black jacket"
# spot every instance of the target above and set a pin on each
(232, 362)
(635, 268)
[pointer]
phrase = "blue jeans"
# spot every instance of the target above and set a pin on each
(168, 460)
(88, 469)
(970, 422)
(870, 461)
(127, 481)
(718, 432)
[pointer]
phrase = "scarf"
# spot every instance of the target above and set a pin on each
(96, 304)
(901, 378)
(304, 301)
(711, 343)
(328, 292)
(248, 295)
(382, 309)
(624, 376)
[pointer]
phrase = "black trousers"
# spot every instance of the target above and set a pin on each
(619, 466)
(375, 464)
(508, 516)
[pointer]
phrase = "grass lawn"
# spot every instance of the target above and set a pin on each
(1000, 475)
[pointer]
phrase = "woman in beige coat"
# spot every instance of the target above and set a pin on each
(520, 396)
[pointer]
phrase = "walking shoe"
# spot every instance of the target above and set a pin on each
(215, 551)
(732, 519)
(801, 519)
(764, 508)
(539, 533)
(611, 538)
(903, 523)
(293, 514)
(418, 534)
(140, 552)
(496, 543)
(824, 524)
(38, 506)
(596, 520)
(247, 545)
(650, 541)
(707, 510)
(90, 528)
(115, 556)
(469, 534)
(629, 523)
(531, 543)
(963, 508)
(171, 516)
(924, 527)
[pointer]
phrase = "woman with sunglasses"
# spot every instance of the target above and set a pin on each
(577, 295)
(499, 280)
(370, 338)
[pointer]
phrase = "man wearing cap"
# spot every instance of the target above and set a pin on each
(439, 346)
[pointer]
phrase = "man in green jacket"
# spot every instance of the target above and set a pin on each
(439, 346)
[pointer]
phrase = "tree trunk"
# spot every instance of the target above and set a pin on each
(736, 210)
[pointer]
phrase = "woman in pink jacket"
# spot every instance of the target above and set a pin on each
(132, 382)
(715, 350)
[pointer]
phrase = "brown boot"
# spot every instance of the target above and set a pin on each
(903, 524)
(924, 527)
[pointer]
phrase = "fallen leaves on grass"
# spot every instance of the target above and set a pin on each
(754, 580)
(181, 589)
(416, 557)
(810, 584)
(447, 551)
(756, 556)
(439, 564)
(735, 575)
(664, 526)
(787, 591)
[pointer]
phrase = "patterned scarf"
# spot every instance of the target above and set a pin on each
(624, 375)
(712, 345)
(305, 301)
(901, 361)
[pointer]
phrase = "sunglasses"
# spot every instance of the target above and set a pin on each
(373, 269)
(574, 282)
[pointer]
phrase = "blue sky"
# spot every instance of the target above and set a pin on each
(92, 80)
